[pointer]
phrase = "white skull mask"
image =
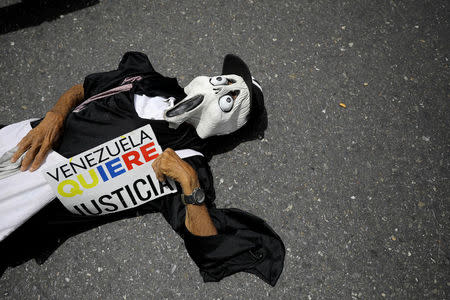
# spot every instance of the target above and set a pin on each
(214, 105)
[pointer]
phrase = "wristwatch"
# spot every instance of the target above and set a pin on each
(197, 197)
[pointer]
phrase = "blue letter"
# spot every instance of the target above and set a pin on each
(113, 168)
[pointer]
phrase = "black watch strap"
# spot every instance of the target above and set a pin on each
(197, 197)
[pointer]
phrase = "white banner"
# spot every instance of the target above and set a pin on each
(112, 177)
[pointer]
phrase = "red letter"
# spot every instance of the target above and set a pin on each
(134, 160)
(146, 152)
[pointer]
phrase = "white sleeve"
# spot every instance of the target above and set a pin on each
(24, 193)
(151, 108)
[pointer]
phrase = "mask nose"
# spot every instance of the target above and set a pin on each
(185, 106)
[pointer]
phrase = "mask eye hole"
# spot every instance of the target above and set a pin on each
(226, 103)
(218, 80)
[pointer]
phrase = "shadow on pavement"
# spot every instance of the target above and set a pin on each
(44, 232)
(28, 13)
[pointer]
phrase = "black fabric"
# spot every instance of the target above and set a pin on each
(244, 243)
(132, 64)
(233, 64)
(36, 122)
(110, 117)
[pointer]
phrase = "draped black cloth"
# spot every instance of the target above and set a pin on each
(244, 243)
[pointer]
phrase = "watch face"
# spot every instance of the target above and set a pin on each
(199, 196)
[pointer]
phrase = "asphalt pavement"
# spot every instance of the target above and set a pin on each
(353, 171)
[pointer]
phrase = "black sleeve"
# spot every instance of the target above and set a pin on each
(132, 64)
(244, 243)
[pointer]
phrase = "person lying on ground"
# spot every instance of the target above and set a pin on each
(188, 126)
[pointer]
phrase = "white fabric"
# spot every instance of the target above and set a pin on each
(25, 193)
(208, 118)
(187, 153)
(7, 168)
(151, 108)
(257, 84)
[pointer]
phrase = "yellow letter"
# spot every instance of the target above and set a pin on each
(75, 190)
(94, 179)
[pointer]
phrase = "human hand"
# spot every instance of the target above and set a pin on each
(171, 165)
(197, 219)
(39, 141)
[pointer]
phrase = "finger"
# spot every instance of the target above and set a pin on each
(173, 153)
(29, 157)
(165, 165)
(23, 146)
(155, 163)
(157, 169)
(40, 157)
(168, 153)
(160, 176)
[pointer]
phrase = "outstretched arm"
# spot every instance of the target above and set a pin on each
(198, 220)
(40, 140)
(243, 241)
